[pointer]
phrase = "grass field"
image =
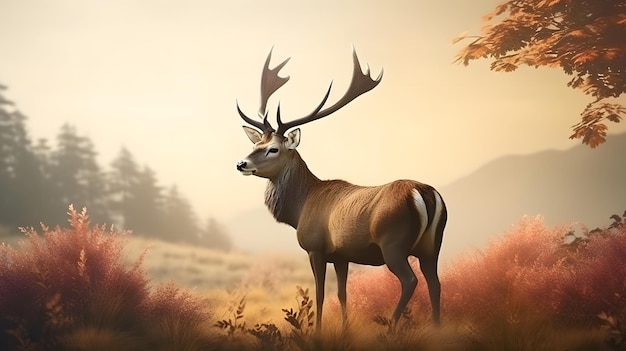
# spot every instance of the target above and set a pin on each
(79, 287)
(267, 281)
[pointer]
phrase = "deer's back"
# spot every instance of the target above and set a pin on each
(347, 219)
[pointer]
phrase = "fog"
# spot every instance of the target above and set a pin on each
(161, 78)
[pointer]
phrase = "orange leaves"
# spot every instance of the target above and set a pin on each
(477, 50)
(578, 33)
(460, 37)
(582, 38)
(473, 51)
(500, 65)
(500, 9)
(612, 54)
(591, 129)
(548, 26)
(548, 3)
(585, 57)
(592, 135)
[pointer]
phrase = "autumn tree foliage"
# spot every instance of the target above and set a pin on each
(583, 37)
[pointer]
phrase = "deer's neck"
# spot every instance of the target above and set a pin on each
(286, 193)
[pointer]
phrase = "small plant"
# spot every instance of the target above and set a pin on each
(301, 320)
(404, 323)
(396, 331)
(236, 323)
(405, 334)
(618, 221)
(616, 331)
(269, 336)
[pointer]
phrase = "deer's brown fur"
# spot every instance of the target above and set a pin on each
(339, 222)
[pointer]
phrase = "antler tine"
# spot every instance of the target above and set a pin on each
(283, 127)
(361, 83)
(271, 81)
(265, 126)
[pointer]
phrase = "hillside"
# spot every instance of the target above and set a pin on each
(578, 184)
(575, 185)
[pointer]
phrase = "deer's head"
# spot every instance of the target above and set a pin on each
(273, 149)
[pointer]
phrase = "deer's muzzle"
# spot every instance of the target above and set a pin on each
(242, 167)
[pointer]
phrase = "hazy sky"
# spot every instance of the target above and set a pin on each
(161, 78)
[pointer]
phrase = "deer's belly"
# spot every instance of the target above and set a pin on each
(369, 255)
(354, 243)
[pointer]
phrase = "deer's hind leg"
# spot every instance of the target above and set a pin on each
(428, 266)
(397, 261)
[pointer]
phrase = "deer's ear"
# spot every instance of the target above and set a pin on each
(253, 134)
(293, 139)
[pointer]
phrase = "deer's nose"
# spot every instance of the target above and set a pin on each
(241, 165)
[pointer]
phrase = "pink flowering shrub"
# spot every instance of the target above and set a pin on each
(519, 270)
(596, 279)
(70, 287)
(528, 271)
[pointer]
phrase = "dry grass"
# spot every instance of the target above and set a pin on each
(252, 303)
(215, 272)
(192, 267)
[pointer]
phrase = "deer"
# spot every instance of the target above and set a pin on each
(338, 222)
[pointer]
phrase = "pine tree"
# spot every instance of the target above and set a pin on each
(122, 178)
(180, 222)
(148, 210)
(214, 236)
(136, 197)
(76, 175)
(22, 181)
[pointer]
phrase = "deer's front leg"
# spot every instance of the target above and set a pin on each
(341, 268)
(318, 264)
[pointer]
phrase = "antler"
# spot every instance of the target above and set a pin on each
(361, 83)
(270, 82)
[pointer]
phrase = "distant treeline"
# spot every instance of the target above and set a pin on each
(38, 182)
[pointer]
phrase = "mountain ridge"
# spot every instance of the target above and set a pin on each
(573, 185)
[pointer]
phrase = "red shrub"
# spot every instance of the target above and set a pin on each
(374, 292)
(64, 277)
(518, 270)
(528, 271)
(169, 301)
(69, 281)
(596, 281)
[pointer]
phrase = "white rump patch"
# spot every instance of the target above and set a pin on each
(421, 208)
(420, 205)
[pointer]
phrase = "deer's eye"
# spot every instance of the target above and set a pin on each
(272, 151)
